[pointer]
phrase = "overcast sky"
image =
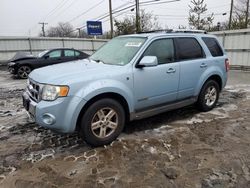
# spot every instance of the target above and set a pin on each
(21, 17)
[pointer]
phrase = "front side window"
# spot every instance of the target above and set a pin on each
(163, 49)
(54, 54)
(42, 53)
(119, 51)
(213, 46)
(189, 48)
(69, 53)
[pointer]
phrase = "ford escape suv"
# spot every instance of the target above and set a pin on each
(131, 77)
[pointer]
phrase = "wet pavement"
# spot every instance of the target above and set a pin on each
(181, 148)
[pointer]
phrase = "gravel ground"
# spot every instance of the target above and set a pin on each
(181, 148)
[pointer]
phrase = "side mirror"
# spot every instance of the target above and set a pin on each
(46, 56)
(148, 61)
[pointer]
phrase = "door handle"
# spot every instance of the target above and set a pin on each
(171, 70)
(203, 65)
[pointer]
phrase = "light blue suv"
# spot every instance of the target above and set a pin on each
(129, 78)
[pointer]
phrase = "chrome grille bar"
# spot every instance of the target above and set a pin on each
(34, 89)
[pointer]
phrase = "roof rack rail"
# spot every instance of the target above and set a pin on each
(189, 31)
(175, 31)
(156, 31)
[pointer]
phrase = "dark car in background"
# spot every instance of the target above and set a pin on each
(23, 65)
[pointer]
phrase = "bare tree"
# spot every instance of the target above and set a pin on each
(241, 15)
(61, 30)
(182, 27)
(197, 15)
(128, 25)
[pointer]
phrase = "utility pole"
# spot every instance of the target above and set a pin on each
(231, 14)
(79, 32)
(246, 21)
(43, 29)
(137, 16)
(111, 19)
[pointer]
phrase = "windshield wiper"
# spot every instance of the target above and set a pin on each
(98, 61)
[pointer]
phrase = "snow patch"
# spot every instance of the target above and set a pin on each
(40, 155)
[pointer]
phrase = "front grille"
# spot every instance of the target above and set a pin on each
(34, 90)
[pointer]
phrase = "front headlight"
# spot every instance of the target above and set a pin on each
(51, 92)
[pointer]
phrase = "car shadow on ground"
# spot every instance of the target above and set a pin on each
(185, 113)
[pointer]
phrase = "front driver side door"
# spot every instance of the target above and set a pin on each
(50, 58)
(158, 85)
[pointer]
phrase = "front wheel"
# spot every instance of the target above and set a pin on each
(23, 71)
(209, 96)
(102, 122)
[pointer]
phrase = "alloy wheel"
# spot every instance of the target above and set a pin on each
(210, 96)
(104, 122)
(24, 71)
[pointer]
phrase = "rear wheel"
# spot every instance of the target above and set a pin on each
(209, 96)
(102, 122)
(23, 71)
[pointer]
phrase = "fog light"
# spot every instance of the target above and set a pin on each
(48, 119)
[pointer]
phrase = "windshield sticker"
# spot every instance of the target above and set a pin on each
(133, 44)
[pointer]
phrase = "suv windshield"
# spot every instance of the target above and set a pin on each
(119, 51)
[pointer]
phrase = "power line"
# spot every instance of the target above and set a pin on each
(49, 13)
(169, 15)
(128, 7)
(122, 9)
(219, 6)
(100, 2)
(63, 2)
(157, 3)
(98, 19)
(62, 11)
(107, 14)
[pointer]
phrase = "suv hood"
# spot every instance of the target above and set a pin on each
(66, 73)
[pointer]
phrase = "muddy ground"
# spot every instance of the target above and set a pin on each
(182, 148)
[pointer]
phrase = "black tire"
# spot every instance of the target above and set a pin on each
(23, 71)
(205, 96)
(92, 130)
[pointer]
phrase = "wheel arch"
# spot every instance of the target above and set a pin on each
(119, 98)
(215, 76)
(25, 64)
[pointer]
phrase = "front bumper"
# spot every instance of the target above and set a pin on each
(11, 68)
(63, 112)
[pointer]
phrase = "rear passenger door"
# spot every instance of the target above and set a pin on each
(157, 85)
(69, 55)
(193, 63)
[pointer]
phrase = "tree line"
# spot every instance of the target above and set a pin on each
(198, 19)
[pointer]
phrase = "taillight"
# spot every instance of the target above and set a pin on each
(227, 64)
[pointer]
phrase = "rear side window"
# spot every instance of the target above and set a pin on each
(213, 46)
(189, 48)
(77, 53)
(69, 53)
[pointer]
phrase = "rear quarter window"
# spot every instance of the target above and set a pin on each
(213, 46)
(189, 48)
